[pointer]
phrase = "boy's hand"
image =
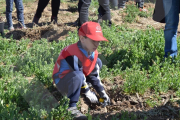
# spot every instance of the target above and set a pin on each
(91, 96)
(105, 97)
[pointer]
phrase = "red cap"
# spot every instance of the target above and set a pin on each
(92, 30)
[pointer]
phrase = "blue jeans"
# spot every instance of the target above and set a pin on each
(171, 8)
(20, 12)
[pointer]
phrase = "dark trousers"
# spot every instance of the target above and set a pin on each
(43, 3)
(83, 6)
(140, 3)
(70, 86)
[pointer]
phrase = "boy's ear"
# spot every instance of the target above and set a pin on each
(81, 38)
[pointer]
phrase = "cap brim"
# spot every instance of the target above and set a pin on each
(97, 38)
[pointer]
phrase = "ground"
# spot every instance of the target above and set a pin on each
(135, 103)
(67, 15)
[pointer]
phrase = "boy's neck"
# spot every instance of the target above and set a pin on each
(89, 53)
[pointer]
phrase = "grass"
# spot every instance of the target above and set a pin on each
(136, 55)
(132, 14)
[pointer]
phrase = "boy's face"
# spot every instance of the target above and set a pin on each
(88, 44)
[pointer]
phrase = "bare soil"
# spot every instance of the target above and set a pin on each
(2, 19)
(136, 104)
(67, 15)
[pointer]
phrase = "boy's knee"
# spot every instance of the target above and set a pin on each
(78, 77)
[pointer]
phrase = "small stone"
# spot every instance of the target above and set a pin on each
(108, 87)
(113, 102)
(104, 110)
(118, 102)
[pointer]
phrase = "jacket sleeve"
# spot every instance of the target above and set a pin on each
(75, 65)
(94, 77)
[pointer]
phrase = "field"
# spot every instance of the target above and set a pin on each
(141, 84)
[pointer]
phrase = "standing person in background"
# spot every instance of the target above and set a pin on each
(20, 13)
(41, 5)
(121, 4)
(167, 11)
(104, 11)
(139, 4)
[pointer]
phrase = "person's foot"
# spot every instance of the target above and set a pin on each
(54, 20)
(121, 8)
(22, 27)
(11, 28)
(77, 114)
(99, 19)
(143, 9)
(35, 20)
(74, 24)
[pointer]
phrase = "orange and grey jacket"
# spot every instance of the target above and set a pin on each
(78, 61)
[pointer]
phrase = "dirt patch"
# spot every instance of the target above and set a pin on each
(136, 105)
(68, 14)
(2, 19)
(49, 32)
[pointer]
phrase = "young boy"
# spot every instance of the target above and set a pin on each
(20, 13)
(78, 64)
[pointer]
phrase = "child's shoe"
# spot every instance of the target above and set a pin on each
(77, 114)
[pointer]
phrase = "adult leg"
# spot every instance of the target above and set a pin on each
(171, 8)
(141, 4)
(138, 3)
(55, 8)
(41, 5)
(104, 6)
(121, 3)
(83, 7)
(9, 9)
(70, 85)
(20, 12)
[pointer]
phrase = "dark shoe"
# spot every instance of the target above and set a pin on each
(77, 114)
(54, 20)
(74, 24)
(99, 19)
(35, 20)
